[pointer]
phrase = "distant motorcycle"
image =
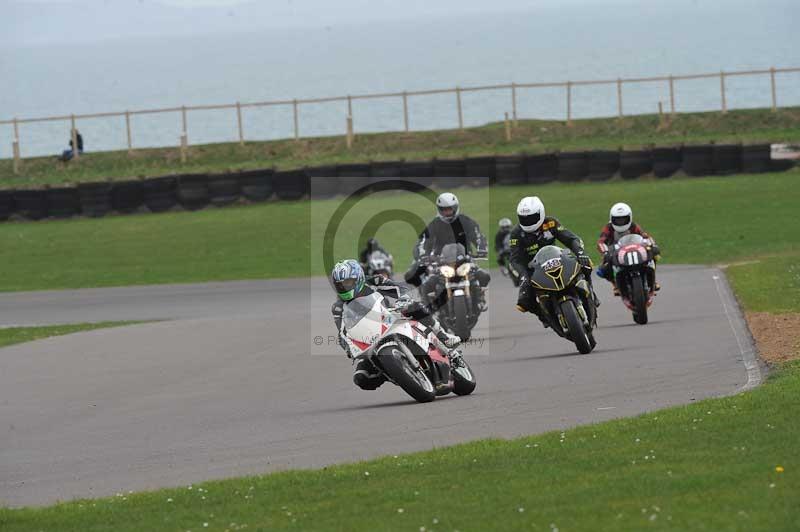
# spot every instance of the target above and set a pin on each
(504, 257)
(457, 290)
(379, 263)
(635, 274)
(403, 350)
(562, 290)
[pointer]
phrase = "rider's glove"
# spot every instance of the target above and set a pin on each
(584, 259)
(603, 247)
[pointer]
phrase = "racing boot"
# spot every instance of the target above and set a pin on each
(483, 306)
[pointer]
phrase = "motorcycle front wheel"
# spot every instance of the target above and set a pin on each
(639, 299)
(412, 380)
(577, 331)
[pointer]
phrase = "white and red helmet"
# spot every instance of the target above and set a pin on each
(621, 217)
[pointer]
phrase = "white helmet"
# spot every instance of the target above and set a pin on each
(621, 217)
(530, 212)
(447, 207)
(505, 224)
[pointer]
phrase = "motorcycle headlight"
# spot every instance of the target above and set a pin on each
(447, 271)
(464, 269)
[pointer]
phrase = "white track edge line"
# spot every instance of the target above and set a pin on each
(748, 355)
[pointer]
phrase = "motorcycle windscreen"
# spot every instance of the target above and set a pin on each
(452, 253)
(629, 240)
(553, 268)
(362, 316)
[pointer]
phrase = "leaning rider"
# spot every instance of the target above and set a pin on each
(350, 283)
(534, 231)
(502, 250)
(620, 223)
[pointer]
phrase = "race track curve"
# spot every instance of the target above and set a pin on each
(229, 385)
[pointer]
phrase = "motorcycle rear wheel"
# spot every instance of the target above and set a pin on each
(414, 382)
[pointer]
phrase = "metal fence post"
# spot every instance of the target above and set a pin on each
(76, 153)
(772, 84)
(405, 110)
(460, 114)
(514, 103)
(569, 103)
(722, 92)
(619, 97)
(671, 95)
(296, 120)
(128, 131)
(239, 123)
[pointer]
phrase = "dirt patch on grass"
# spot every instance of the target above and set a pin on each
(777, 335)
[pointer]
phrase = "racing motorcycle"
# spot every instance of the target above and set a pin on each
(457, 291)
(635, 274)
(565, 295)
(379, 263)
(506, 268)
(404, 350)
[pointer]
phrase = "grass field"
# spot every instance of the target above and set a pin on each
(721, 464)
(696, 220)
(761, 290)
(18, 335)
(531, 136)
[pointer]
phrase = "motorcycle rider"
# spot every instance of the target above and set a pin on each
(503, 251)
(534, 231)
(349, 283)
(370, 247)
(449, 227)
(620, 223)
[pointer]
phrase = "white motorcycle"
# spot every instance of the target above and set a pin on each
(403, 350)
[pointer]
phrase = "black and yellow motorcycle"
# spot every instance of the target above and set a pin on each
(565, 295)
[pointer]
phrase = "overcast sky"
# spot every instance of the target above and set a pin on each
(24, 22)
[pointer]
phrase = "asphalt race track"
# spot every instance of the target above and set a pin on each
(229, 385)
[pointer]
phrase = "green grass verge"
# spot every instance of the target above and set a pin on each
(531, 136)
(18, 335)
(696, 220)
(706, 466)
(771, 284)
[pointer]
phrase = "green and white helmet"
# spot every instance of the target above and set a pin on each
(348, 279)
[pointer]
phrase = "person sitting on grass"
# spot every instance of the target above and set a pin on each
(67, 155)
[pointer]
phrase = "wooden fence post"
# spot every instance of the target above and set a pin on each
(772, 84)
(569, 103)
(239, 123)
(671, 95)
(349, 131)
(405, 110)
(722, 92)
(76, 153)
(15, 147)
(619, 98)
(128, 131)
(296, 120)
(508, 128)
(184, 147)
(350, 106)
(514, 103)
(460, 114)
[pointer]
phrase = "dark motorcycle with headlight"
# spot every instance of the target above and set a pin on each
(458, 292)
(561, 288)
(635, 274)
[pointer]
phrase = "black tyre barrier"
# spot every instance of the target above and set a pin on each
(603, 165)
(420, 171)
(160, 193)
(256, 185)
(353, 177)
(63, 202)
(510, 170)
(572, 166)
(322, 181)
(541, 168)
(385, 169)
(7, 204)
(290, 184)
(756, 158)
(223, 189)
(635, 164)
(480, 167)
(95, 199)
(449, 173)
(193, 191)
(727, 159)
(666, 161)
(698, 160)
(31, 204)
(127, 196)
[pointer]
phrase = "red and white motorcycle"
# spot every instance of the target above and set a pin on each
(404, 350)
